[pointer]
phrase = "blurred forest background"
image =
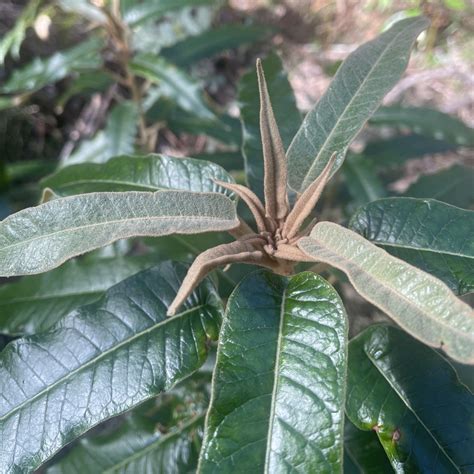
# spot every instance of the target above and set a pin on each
(312, 37)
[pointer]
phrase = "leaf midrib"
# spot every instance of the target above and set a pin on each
(275, 382)
(329, 137)
(94, 360)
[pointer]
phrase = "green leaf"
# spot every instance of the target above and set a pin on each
(117, 138)
(139, 173)
(363, 183)
(12, 41)
(418, 302)
(278, 386)
(424, 121)
(134, 449)
(363, 452)
(41, 72)
(164, 432)
(173, 83)
(40, 238)
(284, 108)
(411, 397)
(100, 361)
(453, 186)
(429, 234)
(396, 150)
(139, 12)
(212, 42)
(353, 96)
(36, 302)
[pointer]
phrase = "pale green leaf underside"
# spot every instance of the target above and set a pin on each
(40, 238)
(36, 302)
(353, 96)
(98, 362)
(139, 173)
(279, 382)
(420, 303)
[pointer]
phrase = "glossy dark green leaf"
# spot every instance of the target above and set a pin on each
(363, 452)
(361, 179)
(212, 42)
(279, 382)
(136, 13)
(355, 93)
(117, 138)
(41, 72)
(284, 108)
(396, 150)
(99, 361)
(161, 435)
(453, 186)
(420, 303)
(41, 238)
(411, 397)
(34, 303)
(424, 121)
(433, 236)
(139, 173)
(173, 83)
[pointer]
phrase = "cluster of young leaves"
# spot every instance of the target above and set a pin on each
(96, 343)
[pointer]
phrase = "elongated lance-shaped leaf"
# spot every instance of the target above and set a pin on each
(100, 361)
(40, 72)
(139, 173)
(285, 110)
(161, 435)
(274, 158)
(37, 302)
(353, 96)
(411, 397)
(242, 251)
(253, 203)
(40, 238)
(134, 450)
(427, 122)
(431, 235)
(213, 41)
(420, 303)
(173, 82)
(279, 382)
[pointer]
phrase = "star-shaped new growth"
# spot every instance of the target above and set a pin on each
(274, 245)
